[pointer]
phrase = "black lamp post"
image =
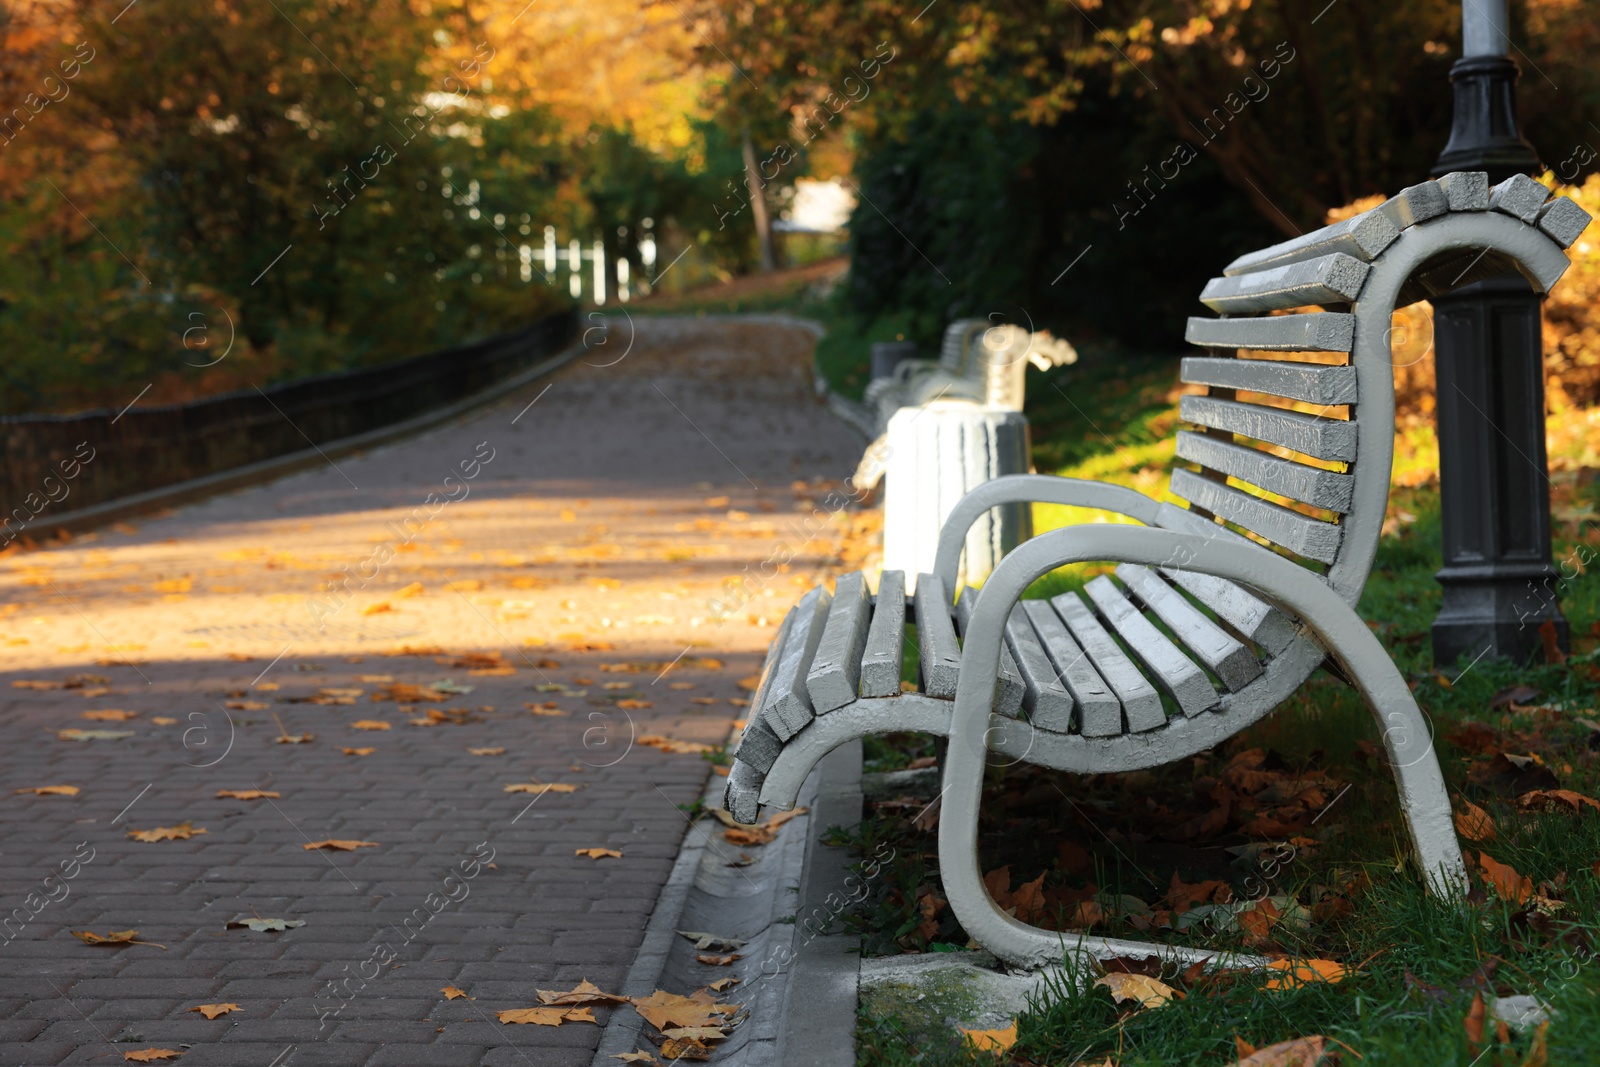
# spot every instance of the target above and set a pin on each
(1498, 578)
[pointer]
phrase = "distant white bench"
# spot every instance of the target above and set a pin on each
(1201, 629)
(946, 427)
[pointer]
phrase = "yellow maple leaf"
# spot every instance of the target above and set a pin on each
(585, 992)
(1148, 992)
(110, 715)
(151, 1055)
(451, 993)
(115, 937)
(547, 1016)
(359, 751)
(1304, 972)
(248, 794)
(211, 1011)
(599, 853)
(51, 790)
(182, 832)
(163, 720)
(369, 724)
(342, 846)
(992, 1040)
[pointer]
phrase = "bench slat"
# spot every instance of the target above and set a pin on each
(936, 639)
(1229, 660)
(1415, 203)
(788, 706)
(1009, 688)
(1331, 279)
(835, 675)
(758, 744)
(1048, 702)
(1361, 236)
(1314, 435)
(1311, 538)
(1563, 221)
(1311, 383)
(1312, 331)
(886, 636)
(1099, 709)
(1177, 673)
(1257, 620)
(1141, 704)
(1309, 485)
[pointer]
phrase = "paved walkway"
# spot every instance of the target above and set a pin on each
(586, 548)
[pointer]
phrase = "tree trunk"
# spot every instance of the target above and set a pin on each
(758, 205)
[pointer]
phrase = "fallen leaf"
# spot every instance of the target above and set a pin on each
(248, 794)
(640, 1056)
(115, 937)
(547, 1016)
(718, 961)
(634, 705)
(993, 1040)
(1257, 921)
(1473, 823)
(212, 1011)
(377, 609)
(342, 846)
(36, 683)
(1507, 884)
(451, 993)
(262, 926)
(182, 832)
(712, 942)
(666, 1011)
(359, 751)
(246, 705)
(162, 720)
(110, 715)
(585, 992)
(1564, 799)
(684, 1048)
(723, 983)
(487, 751)
(1474, 1021)
(541, 788)
(761, 833)
(1300, 1052)
(405, 592)
(1148, 992)
(150, 1055)
(295, 739)
(51, 790)
(704, 701)
(598, 853)
(93, 735)
(695, 1033)
(369, 724)
(1305, 972)
(751, 683)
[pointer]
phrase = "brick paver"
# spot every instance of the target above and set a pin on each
(601, 528)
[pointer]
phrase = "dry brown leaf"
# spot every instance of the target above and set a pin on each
(110, 715)
(451, 993)
(547, 1016)
(761, 833)
(718, 961)
(163, 720)
(1301, 1052)
(246, 705)
(1148, 992)
(182, 832)
(722, 984)
(541, 788)
(684, 1048)
(487, 751)
(641, 1056)
(585, 992)
(696, 1033)
(1507, 884)
(36, 683)
(1563, 799)
(998, 1040)
(634, 705)
(751, 683)
(248, 794)
(1473, 823)
(493, 672)
(668, 744)
(359, 751)
(599, 853)
(1474, 1021)
(211, 1011)
(704, 701)
(295, 739)
(342, 846)
(369, 724)
(151, 1055)
(665, 1010)
(1305, 972)
(51, 790)
(115, 937)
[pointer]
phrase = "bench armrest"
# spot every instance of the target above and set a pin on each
(1043, 488)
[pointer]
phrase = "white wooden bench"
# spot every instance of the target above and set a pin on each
(1294, 449)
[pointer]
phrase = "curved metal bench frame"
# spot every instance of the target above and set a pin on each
(1178, 540)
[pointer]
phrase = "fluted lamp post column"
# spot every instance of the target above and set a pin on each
(1499, 583)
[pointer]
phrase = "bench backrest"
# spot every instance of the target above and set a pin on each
(1294, 437)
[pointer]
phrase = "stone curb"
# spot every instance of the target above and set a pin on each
(268, 469)
(764, 905)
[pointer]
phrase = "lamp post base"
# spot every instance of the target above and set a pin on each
(1497, 610)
